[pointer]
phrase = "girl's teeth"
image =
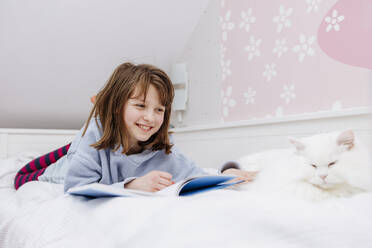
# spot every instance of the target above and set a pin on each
(144, 127)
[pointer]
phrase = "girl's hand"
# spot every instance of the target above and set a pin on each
(247, 176)
(151, 182)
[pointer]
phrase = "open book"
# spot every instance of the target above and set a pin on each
(190, 186)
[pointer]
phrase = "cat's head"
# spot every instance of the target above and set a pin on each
(324, 157)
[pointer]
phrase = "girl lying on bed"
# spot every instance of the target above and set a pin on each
(125, 141)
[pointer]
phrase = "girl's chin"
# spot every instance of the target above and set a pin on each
(142, 139)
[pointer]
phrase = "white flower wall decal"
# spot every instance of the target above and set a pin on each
(312, 5)
(225, 63)
(265, 47)
(227, 101)
(253, 47)
(269, 72)
(282, 20)
(248, 19)
(333, 21)
(226, 25)
(225, 66)
(304, 48)
(249, 96)
(280, 47)
(288, 93)
(222, 51)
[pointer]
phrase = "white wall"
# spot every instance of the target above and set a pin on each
(54, 55)
(202, 55)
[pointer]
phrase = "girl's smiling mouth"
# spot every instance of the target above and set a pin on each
(144, 127)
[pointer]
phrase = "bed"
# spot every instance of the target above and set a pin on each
(40, 215)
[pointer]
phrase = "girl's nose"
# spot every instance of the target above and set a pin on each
(148, 116)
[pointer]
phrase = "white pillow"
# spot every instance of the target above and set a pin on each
(10, 166)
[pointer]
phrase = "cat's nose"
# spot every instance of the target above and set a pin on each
(323, 176)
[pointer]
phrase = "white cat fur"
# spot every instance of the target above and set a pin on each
(290, 171)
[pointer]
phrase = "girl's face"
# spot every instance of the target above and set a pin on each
(143, 118)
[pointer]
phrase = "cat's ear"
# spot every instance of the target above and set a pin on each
(298, 144)
(346, 138)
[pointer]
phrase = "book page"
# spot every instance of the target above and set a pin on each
(170, 190)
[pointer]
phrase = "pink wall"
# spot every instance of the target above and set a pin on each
(346, 32)
(272, 64)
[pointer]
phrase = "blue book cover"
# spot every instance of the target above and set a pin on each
(190, 186)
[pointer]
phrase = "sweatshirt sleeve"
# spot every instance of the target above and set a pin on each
(122, 184)
(84, 160)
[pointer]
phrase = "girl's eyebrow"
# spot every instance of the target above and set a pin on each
(137, 98)
(142, 100)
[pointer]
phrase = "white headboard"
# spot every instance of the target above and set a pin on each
(213, 145)
(13, 141)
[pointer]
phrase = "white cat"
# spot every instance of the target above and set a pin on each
(318, 167)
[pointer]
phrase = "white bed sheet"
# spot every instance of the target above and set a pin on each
(40, 215)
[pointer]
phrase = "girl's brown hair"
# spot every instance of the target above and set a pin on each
(126, 80)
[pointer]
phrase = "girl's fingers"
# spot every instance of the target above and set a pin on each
(160, 186)
(242, 180)
(236, 179)
(165, 175)
(165, 182)
(250, 175)
(251, 172)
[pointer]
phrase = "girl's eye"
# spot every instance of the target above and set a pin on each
(330, 164)
(313, 165)
(140, 105)
(161, 110)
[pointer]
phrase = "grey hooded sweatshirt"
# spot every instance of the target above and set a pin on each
(87, 165)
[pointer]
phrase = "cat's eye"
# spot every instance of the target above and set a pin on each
(332, 163)
(313, 165)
